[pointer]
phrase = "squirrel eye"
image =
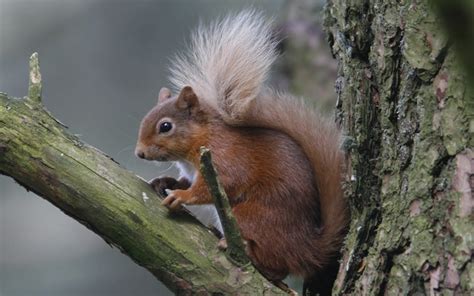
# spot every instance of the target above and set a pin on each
(165, 127)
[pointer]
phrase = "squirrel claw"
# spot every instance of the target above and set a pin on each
(176, 204)
(172, 202)
(175, 199)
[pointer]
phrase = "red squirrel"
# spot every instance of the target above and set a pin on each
(279, 161)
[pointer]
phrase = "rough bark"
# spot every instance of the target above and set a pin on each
(38, 152)
(404, 102)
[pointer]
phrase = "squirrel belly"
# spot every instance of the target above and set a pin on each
(279, 161)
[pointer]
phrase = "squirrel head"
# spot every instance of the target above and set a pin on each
(174, 129)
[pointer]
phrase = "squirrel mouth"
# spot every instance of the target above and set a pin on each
(163, 157)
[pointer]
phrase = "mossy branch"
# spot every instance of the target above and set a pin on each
(38, 152)
(235, 247)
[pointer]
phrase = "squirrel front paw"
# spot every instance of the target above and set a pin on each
(161, 184)
(176, 198)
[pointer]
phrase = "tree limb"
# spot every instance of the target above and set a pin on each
(37, 151)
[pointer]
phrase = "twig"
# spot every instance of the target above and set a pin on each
(34, 87)
(235, 248)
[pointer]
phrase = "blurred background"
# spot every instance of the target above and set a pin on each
(103, 63)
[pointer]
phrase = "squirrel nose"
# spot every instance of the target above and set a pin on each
(140, 153)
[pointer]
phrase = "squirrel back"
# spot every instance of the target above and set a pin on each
(226, 66)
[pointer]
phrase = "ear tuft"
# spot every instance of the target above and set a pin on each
(164, 94)
(187, 99)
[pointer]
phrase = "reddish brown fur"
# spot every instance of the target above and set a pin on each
(267, 176)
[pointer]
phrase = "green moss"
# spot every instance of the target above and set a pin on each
(424, 39)
(467, 275)
(453, 137)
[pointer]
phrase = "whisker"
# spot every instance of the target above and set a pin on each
(170, 167)
(129, 147)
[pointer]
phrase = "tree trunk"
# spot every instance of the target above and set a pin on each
(404, 102)
(37, 151)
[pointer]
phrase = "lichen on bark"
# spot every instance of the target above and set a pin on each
(405, 104)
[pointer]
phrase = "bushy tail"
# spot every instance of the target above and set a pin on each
(320, 139)
(227, 61)
(227, 66)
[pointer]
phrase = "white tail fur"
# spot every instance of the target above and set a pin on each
(227, 61)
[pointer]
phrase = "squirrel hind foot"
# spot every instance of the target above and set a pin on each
(222, 244)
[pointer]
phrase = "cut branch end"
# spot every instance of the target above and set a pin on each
(34, 87)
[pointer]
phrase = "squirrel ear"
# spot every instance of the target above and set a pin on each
(164, 94)
(187, 99)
